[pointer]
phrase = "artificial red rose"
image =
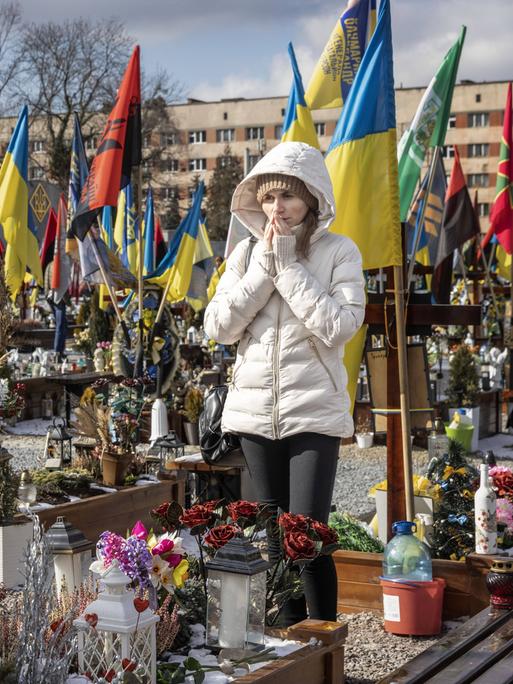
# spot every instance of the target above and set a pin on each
(161, 510)
(128, 665)
(212, 504)
(218, 536)
(196, 515)
(243, 509)
(325, 533)
(299, 546)
(294, 522)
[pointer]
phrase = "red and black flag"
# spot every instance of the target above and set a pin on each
(48, 246)
(119, 150)
(160, 244)
(460, 224)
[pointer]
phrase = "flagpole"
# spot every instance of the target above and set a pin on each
(138, 366)
(108, 285)
(420, 222)
(404, 391)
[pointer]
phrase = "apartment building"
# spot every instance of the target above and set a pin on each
(199, 132)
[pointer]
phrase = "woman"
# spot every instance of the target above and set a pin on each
(300, 299)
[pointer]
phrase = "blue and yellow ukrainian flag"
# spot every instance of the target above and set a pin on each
(193, 216)
(181, 271)
(362, 157)
(106, 227)
(197, 293)
(148, 233)
(298, 125)
(427, 248)
(338, 64)
(125, 229)
(22, 250)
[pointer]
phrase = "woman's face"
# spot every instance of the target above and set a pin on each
(289, 207)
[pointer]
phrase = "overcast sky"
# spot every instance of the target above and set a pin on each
(227, 48)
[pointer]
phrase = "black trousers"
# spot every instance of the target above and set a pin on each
(297, 475)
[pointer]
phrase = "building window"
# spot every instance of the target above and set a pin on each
(477, 180)
(320, 128)
(91, 143)
(478, 97)
(278, 131)
(225, 115)
(170, 193)
(36, 173)
(37, 146)
(478, 150)
(483, 209)
(172, 165)
(448, 152)
(452, 121)
(197, 137)
(252, 160)
(225, 135)
(168, 139)
(255, 133)
(197, 164)
(477, 119)
(283, 112)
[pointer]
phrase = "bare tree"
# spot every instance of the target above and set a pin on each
(72, 66)
(10, 24)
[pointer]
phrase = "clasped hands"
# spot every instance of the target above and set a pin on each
(275, 226)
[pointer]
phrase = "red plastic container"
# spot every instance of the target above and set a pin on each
(413, 607)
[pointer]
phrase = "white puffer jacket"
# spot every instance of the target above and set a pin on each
(288, 376)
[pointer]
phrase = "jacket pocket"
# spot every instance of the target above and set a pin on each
(317, 354)
(241, 358)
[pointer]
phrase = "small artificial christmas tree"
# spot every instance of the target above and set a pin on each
(463, 378)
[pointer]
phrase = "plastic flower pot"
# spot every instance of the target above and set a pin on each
(114, 468)
(413, 608)
(462, 434)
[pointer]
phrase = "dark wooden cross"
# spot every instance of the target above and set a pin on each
(417, 317)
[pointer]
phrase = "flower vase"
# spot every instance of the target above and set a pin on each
(115, 467)
(191, 433)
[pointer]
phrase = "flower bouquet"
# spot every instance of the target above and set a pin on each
(299, 538)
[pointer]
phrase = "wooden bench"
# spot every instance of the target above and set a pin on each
(479, 651)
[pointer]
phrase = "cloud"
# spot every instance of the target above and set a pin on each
(423, 31)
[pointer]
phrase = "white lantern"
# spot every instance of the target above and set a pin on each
(111, 629)
(71, 553)
(236, 593)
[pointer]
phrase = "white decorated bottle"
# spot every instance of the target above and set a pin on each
(485, 509)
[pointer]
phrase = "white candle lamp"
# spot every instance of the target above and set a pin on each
(115, 630)
(71, 554)
(27, 491)
(58, 445)
(236, 592)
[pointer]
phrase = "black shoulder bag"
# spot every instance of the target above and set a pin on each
(217, 446)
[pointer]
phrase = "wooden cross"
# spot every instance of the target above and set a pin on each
(417, 317)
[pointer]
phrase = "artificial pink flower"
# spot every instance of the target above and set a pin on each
(139, 530)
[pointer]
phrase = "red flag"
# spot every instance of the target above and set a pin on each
(501, 214)
(47, 248)
(119, 150)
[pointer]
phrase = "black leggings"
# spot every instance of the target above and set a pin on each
(296, 475)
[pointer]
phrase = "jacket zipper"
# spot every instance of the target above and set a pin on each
(276, 388)
(318, 355)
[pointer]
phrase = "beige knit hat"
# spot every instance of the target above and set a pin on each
(266, 182)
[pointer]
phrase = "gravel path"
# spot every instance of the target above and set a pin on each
(371, 653)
